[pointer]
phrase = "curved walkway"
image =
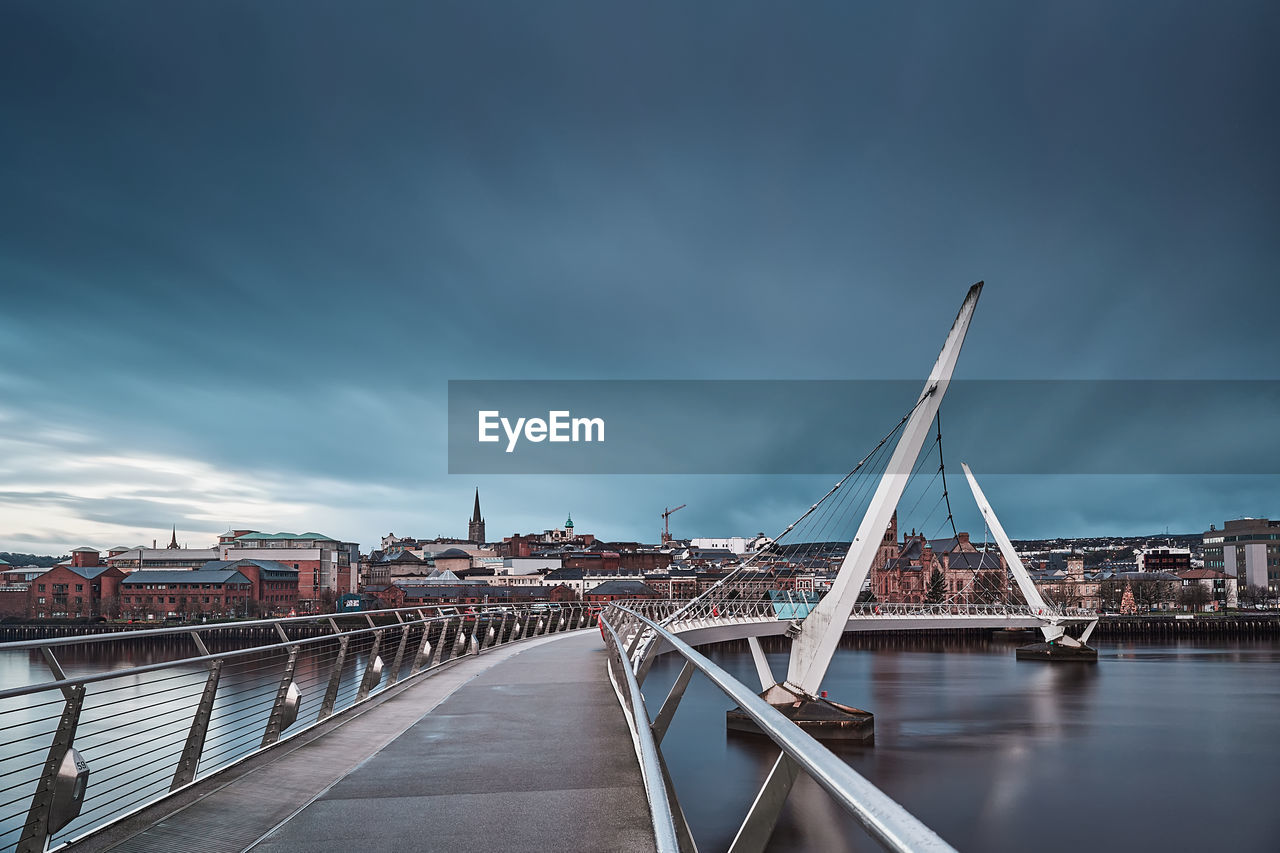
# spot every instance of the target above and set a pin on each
(523, 747)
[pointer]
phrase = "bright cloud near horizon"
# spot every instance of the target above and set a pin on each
(244, 247)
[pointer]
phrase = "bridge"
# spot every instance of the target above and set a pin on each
(700, 622)
(419, 723)
(316, 735)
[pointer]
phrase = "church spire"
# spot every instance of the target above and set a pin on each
(173, 541)
(475, 528)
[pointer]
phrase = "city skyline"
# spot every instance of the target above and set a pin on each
(246, 248)
(193, 538)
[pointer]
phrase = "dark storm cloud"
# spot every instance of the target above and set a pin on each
(265, 235)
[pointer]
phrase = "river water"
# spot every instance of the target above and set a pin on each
(1159, 746)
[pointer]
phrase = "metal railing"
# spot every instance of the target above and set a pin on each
(633, 638)
(80, 752)
(692, 613)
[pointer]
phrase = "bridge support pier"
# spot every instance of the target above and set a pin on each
(816, 715)
(1059, 646)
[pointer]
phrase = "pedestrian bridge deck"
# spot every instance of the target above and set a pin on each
(521, 747)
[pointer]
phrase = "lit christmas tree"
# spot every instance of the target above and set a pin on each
(1127, 607)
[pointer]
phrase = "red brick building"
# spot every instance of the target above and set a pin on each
(14, 584)
(74, 591)
(902, 570)
(593, 562)
(218, 589)
(410, 596)
(562, 593)
(614, 590)
(326, 566)
(524, 545)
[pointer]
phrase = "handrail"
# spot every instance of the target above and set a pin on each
(275, 643)
(664, 829)
(231, 624)
(230, 704)
(885, 820)
(677, 613)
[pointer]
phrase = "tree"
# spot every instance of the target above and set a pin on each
(1127, 605)
(937, 587)
(1194, 596)
(328, 601)
(1111, 592)
(1148, 594)
(1144, 594)
(1253, 595)
(1060, 594)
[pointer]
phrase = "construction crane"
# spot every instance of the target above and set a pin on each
(666, 525)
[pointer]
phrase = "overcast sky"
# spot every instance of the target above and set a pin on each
(244, 246)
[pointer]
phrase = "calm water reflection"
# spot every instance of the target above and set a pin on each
(1158, 746)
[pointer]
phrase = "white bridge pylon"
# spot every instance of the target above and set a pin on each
(1053, 630)
(820, 632)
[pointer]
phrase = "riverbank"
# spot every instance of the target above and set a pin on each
(1229, 624)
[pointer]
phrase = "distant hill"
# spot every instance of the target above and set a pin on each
(1097, 543)
(43, 561)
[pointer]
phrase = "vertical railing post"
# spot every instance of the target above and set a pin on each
(189, 762)
(288, 699)
(424, 650)
(372, 670)
(399, 658)
(460, 638)
(668, 710)
(442, 648)
(335, 679)
(758, 825)
(41, 823)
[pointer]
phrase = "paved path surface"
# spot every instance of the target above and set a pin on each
(532, 754)
(523, 747)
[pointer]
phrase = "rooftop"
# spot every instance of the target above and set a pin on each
(263, 565)
(202, 576)
(622, 588)
(88, 572)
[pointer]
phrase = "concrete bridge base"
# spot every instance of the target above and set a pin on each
(821, 718)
